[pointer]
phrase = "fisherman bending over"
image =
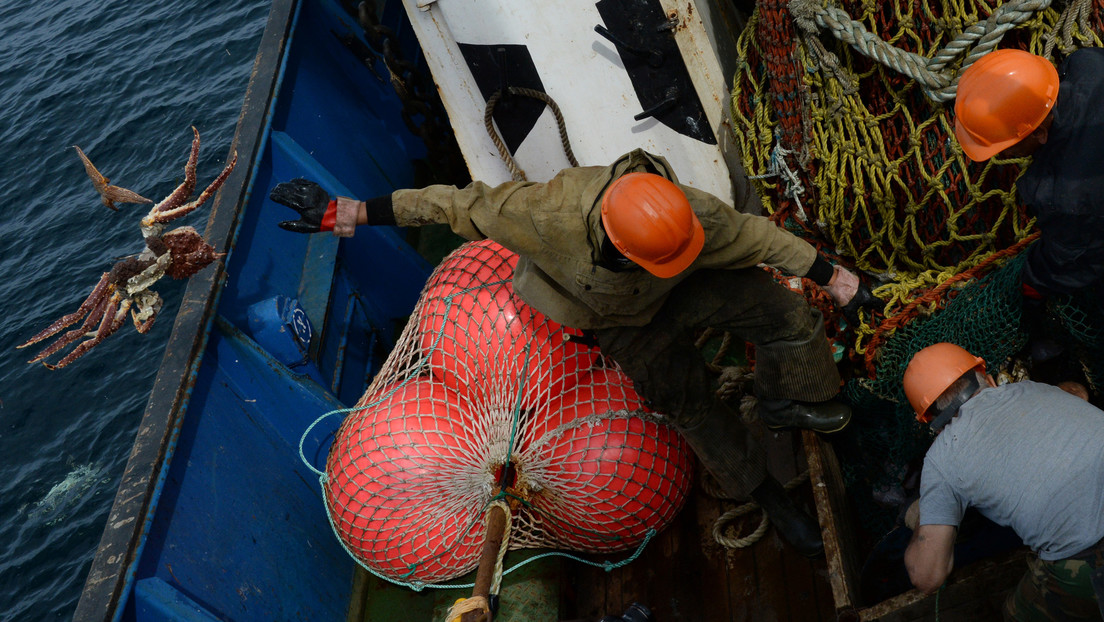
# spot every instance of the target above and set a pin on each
(1028, 456)
(627, 252)
(1013, 104)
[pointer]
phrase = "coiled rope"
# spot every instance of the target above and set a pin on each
(724, 532)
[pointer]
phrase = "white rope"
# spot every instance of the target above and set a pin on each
(793, 187)
(939, 84)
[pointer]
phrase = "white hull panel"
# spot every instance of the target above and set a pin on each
(583, 72)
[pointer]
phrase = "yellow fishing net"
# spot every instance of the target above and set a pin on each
(859, 154)
(844, 112)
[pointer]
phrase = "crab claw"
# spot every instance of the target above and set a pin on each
(109, 194)
(184, 190)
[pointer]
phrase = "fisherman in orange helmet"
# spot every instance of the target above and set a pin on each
(641, 261)
(1028, 456)
(1013, 104)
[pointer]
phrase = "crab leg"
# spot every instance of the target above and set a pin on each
(93, 299)
(113, 318)
(145, 311)
(172, 213)
(184, 190)
(95, 316)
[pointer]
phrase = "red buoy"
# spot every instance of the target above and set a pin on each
(390, 489)
(614, 474)
(481, 339)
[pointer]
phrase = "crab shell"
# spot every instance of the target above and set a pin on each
(189, 251)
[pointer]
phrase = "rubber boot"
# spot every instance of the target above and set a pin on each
(727, 449)
(827, 416)
(796, 527)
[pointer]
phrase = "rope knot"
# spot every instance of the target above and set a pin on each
(805, 13)
(465, 605)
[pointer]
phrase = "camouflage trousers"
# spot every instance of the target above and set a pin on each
(1067, 589)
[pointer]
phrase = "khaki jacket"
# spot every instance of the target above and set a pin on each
(556, 230)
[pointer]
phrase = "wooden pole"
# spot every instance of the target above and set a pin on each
(496, 532)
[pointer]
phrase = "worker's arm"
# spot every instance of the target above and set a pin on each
(929, 557)
(457, 207)
(736, 240)
(477, 211)
(503, 213)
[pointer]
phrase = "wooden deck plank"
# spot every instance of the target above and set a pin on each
(704, 572)
(809, 589)
(744, 584)
(684, 575)
(771, 552)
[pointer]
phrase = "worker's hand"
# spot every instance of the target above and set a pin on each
(307, 198)
(850, 294)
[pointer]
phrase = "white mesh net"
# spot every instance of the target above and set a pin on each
(484, 398)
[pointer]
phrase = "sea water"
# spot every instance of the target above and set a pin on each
(125, 80)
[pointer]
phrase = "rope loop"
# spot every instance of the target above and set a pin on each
(723, 522)
(516, 172)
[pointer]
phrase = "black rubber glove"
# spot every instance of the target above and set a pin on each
(863, 298)
(307, 198)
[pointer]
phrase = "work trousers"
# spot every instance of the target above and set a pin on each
(1067, 589)
(792, 361)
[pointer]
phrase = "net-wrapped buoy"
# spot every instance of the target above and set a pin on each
(480, 337)
(482, 399)
(390, 490)
(614, 471)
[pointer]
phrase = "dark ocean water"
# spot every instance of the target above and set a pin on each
(124, 80)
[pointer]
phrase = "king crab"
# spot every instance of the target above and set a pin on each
(180, 253)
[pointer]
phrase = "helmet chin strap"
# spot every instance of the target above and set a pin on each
(951, 409)
(612, 259)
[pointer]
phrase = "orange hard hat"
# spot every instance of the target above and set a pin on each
(1002, 98)
(932, 370)
(650, 221)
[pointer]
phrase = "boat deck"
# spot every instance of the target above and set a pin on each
(682, 575)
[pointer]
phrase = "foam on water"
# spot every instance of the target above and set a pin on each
(60, 501)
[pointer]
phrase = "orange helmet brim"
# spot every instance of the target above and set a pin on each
(676, 264)
(977, 151)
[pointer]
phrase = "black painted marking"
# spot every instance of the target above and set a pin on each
(640, 31)
(496, 67)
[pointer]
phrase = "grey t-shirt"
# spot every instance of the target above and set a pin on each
(1026, 455)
